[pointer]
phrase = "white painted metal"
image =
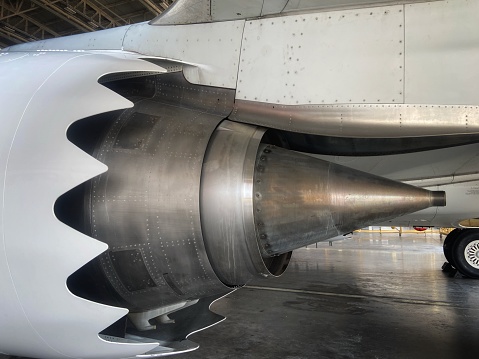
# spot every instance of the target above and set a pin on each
(40, 317)
(352, 56)
(111, 39)
(214, 48)
(442, 52)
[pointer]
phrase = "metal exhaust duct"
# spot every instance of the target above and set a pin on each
(260, 202)
(192, 205)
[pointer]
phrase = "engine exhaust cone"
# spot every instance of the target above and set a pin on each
(259, 202)
(300, 200)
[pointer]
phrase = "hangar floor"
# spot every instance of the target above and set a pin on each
(374, 296)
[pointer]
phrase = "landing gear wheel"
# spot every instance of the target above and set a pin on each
(448, 244)
(465, 253)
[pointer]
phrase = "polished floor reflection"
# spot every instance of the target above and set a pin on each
(374, 296)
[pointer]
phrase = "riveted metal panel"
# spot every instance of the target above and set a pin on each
(335, 4)
(148, 204)
(212, 49)
(233, 9)
(442, 52)
(352, 56)
(356, 120)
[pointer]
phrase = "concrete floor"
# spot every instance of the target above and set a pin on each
(374, 296)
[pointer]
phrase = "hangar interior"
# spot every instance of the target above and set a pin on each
(376, 295)
(32, 20)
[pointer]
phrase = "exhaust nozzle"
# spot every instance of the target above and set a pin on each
(259, 202)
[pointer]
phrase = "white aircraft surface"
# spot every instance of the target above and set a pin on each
(148, 170)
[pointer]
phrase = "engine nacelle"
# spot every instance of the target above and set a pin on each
(168, 207)
(193, 205)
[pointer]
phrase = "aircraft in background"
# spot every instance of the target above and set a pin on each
(149, 170)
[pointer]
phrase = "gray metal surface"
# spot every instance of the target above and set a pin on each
(227, 206)
(348, 56)
(442, 50)
(301, 200)
(365, 121)
(471, 253)
(146, 207)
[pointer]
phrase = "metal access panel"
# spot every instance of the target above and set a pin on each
(350, 56)
(232, 9)
(442, 52)
(214, 44)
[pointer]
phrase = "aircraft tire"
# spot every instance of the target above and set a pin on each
(448, 244)
(465, 253)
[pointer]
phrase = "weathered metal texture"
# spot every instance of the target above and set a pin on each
(38, 164)
(185, 12)
(174, 89)
(147, 206)
(365, 121)
(349, 56)
(301, 200)
(227, 206)
(442, 52)
(227, 202)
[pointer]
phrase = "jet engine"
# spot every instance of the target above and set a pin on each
(190, 204)
(193, 205)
